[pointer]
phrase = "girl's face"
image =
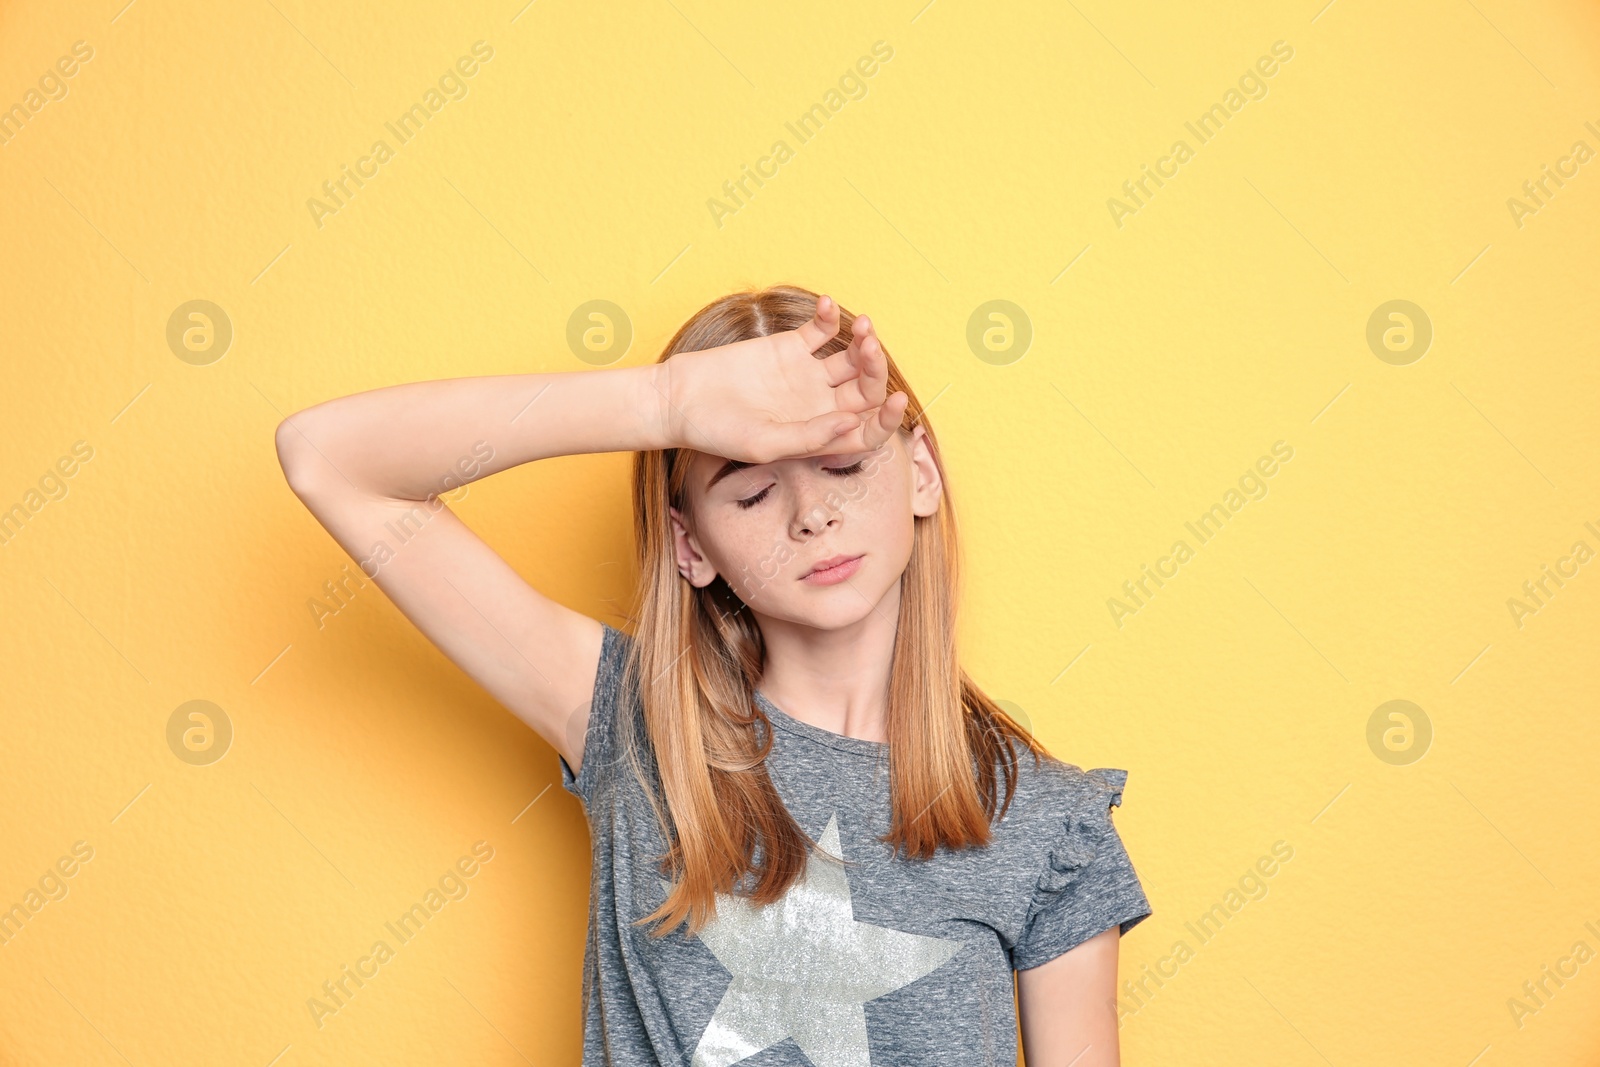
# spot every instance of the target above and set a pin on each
(765, 527)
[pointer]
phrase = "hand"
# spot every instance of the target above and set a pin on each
(770, 398)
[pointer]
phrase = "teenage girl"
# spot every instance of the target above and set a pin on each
(815, 840)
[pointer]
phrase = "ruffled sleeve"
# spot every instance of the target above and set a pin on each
(1086, 882)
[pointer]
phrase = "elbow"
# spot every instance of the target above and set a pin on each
(296, 456)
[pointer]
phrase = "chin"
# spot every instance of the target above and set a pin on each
(828, 620)
(833, 607)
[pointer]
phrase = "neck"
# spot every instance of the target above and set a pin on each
(835, 679)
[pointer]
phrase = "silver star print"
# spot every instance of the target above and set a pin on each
(803, 967)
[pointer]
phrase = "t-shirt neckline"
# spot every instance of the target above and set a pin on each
(784, 721)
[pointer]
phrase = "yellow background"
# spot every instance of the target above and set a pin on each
(1229, 313)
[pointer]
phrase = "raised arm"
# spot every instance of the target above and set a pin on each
(370, 468)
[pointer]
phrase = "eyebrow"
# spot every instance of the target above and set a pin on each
(727, 469)
(738, 465)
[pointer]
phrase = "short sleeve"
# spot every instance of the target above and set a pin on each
(600, 744)
(1087, 883)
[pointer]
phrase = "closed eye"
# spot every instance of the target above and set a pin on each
(839, 472)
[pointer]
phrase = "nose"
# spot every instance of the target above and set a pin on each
(813, 513)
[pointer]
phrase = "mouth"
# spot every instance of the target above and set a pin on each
(833, 569)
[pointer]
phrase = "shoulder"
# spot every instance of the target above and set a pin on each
(615, 647)
(615, 696)
(1061, 818)
(1052, 789)
(613, 679)
(1082, 878)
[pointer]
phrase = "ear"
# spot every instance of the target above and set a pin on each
(926, 486)
(692, 563)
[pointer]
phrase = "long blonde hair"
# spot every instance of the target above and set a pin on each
(950, 745)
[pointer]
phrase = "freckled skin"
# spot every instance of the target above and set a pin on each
(809, 514)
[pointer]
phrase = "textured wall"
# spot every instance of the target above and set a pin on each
(187, 260)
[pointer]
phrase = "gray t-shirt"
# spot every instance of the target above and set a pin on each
(882, 961)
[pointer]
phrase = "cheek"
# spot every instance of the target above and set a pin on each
(753, 546)
(877, 513)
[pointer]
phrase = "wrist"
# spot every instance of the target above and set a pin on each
(658, 407)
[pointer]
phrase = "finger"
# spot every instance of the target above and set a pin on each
(848, 362)
(874, 364)
(894, 410)
(885, 421)
(817, 330)
(828, 432)
(861, 368)
(817, 436)
(864, 432)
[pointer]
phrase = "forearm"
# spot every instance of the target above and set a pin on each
(412, 440)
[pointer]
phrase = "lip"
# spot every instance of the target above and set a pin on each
(833, 569)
